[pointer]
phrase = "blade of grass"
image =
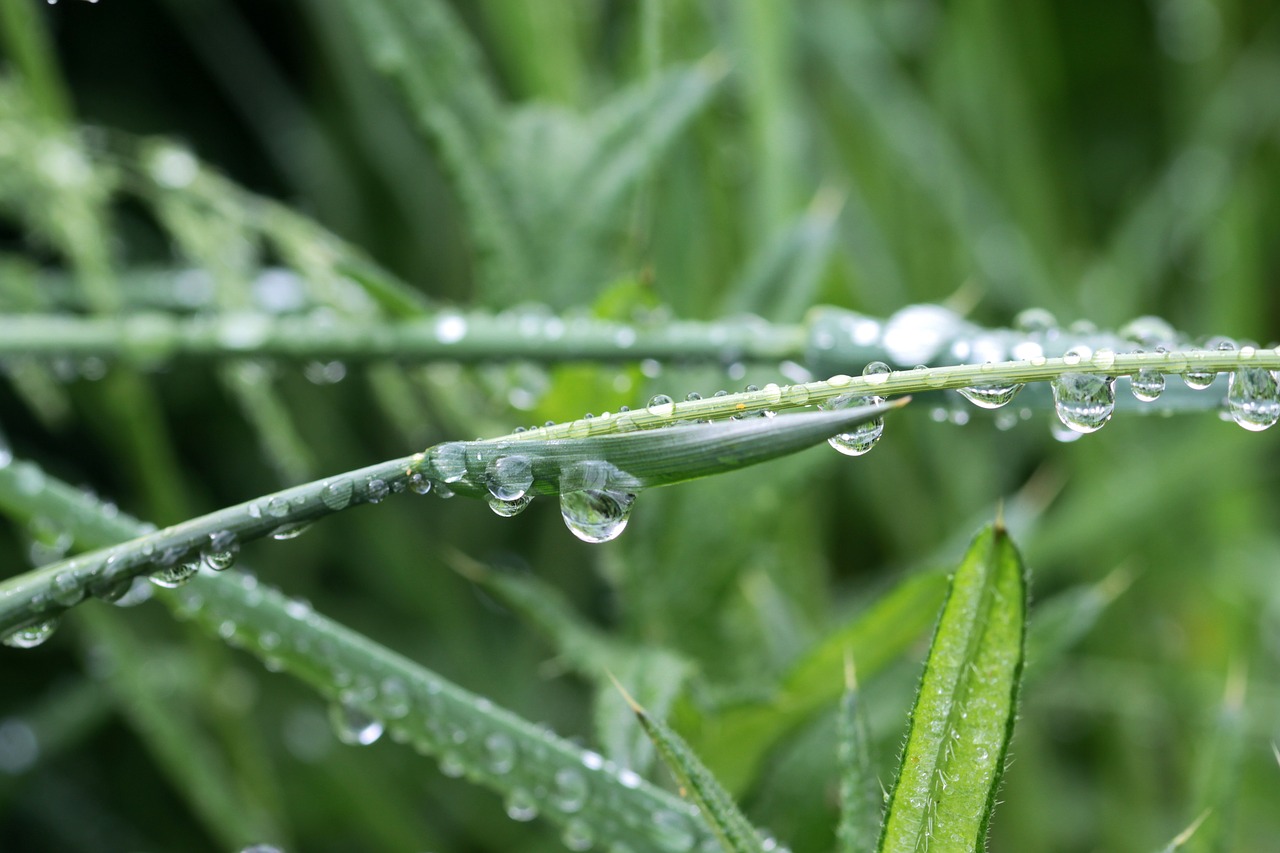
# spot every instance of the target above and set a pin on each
(861, 805)
(960, 728)
(716, 806)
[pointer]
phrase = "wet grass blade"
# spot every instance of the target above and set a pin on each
(698, 784)
(963, 718)
(860, 802)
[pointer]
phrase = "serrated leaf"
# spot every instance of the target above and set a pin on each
(963, 717)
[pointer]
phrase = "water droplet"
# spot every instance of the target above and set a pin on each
(65, 590)
(451, 328)
(672, 831)
(521, 805)
(173, 576)
(336, 495)
(981, 753)
(278, 507)
(660, 405)
(1147, 385)
(1084, 401)
(861, 438)
(629, 778)
(32, 635)
(693, 396)
(509, 477)
(420, 484)
(1104, 358)
(990, 396)
(354, 726)
(452, 765)
(592, 760)
(376, 490)
(915, 334)
(571, 790)
(1149, 332)
(578, 835)
(393, 696)
(449, 461)
(290, 531)
(596, 515)
(1035, 320)
(501, 751)
(1253, 398)
(220, 554)
(1199, 379)
(508, 509)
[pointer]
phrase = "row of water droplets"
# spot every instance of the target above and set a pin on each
(1084, 401)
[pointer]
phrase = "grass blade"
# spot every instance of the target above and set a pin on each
(730, 825)
(963, 718)
(860, 802)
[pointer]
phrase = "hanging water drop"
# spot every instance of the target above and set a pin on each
(990, 396)
(864, 436)
(509, 477)
(175, 575)
(596, 515)
(220, 554)
(1253, 398)
(290, 531)
(1147, 385)
(65, 589)
(30, 636)
(578, 835)
(354, 726)
(511, 508)
(521, 805)
(1084, 401)
(1199, 379)
(336, 495)
(419, 484)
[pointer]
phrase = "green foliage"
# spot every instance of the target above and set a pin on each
(365, 229)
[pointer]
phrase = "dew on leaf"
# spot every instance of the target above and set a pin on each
(354, 726)
(521, 805)
(508, 478)
(336, 495)
(660, 405)
(596, 515)
(30, 636)
(1253, 398)
(991, 396)
(862, 437)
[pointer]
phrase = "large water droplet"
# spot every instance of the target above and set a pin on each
(509, 509)
(31, 636)
(419, 483)
(449, 461)
(1084, 401)
(521, 805)
(220, 554)
(336, 495)
(376, 490)
(596, 515)
(354, 726)
(175, 575)
(1147, 385)
(571, 790)
(864, 436)
(660, 405)
(1253, 398)
(509, 477)
(1199, 379)
(990, 396)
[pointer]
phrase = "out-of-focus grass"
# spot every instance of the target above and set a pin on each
(1099, 160)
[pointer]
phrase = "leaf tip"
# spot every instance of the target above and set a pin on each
(635, 706)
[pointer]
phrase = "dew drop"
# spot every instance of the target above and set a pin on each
(419, 483)
(1253, 398)
(521, 805)
(290, 531)
(1035, 320)
(65, 590)
(571, 790)
(31, 636)
(501, 753)
(1084, 401)
(864, 436)
(1149, 331)
(171, 577)
(278, 507)
(1147, 385)
(916, 333)
(394, 698)
(578, 835)
(508, 509)
(509, 477)
(596, 515)
(990, 396)
(353, 726)
(629, 778)
(672, 831)
(336, 495)
(660, 405)
(220, 554)
(1199, 379)
(450, 461)
(376, 490)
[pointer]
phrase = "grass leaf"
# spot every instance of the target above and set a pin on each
(963, 718)
(860, 802)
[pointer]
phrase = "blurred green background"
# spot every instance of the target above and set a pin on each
(1101, 160)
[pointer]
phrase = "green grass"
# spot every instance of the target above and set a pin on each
(240, 298)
